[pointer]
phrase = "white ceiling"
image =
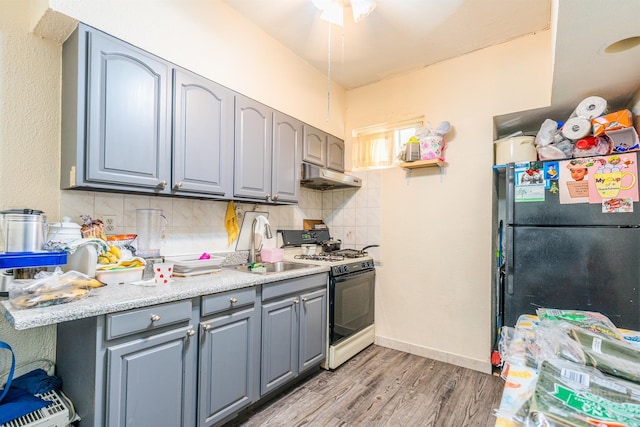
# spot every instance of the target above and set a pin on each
(398, 36)
(405, 35)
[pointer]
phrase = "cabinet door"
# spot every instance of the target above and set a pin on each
(127, 116)
(313, 329)
(150, 381)
(253, 143)
(229, 365)
(287, 143)
(202, 135)
(314, 146)
(279, 343)
(335, 153)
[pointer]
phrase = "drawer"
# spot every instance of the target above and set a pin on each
(227, 300)
(294, 286)
(146, 319)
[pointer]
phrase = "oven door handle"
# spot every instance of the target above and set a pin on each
(348, 276)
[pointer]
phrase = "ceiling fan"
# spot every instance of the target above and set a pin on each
(333, 10)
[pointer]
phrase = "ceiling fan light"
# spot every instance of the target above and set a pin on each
(333, 13)
(362, 9)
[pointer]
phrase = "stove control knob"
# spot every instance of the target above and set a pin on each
(346, 269)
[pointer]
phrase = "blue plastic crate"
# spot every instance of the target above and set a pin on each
(32, 259)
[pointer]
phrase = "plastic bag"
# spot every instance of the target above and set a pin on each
(432, 142)
(568, 394)
(51, 288)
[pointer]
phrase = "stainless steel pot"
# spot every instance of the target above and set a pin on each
(331, 245)
(23, 230)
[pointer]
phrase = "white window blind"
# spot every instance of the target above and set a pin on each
(378, 146)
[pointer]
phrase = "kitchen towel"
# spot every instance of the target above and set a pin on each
(231, 223)
(590, 107)
(576, 128)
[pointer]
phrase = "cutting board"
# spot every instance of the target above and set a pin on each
(245, 230)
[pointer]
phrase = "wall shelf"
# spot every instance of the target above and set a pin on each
(422, 164)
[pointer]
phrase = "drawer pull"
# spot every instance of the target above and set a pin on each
(304, 300)
(206, 327)
(296, 301)
(233, 300)
(155, 317)
(191, 333)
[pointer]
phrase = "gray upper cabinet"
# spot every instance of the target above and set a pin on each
(134, 122)
(115, 96)
(287, 145)
(267, 153)
(253, 143)
(202, 136)
(314, 146)
(335, 153)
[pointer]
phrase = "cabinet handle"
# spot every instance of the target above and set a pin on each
(178, 186)
(304, 300)
(267, 197)
(275, 197)
(233, 300)
(162, 184)
(206, 327)
(155, 317)
(191, 332)
(296, 301)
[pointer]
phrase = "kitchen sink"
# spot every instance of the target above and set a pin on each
(270, 267)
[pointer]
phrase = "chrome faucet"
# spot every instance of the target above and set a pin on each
(252, 238)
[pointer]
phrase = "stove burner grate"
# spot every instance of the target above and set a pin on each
(321, 257)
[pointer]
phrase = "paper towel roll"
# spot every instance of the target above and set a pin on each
(576, 128)
(593, 106)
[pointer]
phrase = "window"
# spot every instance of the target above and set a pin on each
(378, 146)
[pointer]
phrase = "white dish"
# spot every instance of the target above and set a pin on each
(124, 275)
(192, 264)
(195, 273)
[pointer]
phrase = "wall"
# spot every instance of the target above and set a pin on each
(29, 141)
(434, 287)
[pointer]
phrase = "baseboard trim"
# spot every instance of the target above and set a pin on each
(441, 356)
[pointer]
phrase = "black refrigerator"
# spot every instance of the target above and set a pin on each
(570, 256)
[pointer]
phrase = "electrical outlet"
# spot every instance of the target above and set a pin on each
(109, 223)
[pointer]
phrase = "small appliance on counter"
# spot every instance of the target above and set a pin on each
(23, 230)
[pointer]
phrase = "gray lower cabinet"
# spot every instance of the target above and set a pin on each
(294, 329)
(195, 362)
(202, 136)
(134, 368)
(229, 362)
(115, 115)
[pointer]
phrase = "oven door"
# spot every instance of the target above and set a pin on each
(351, 304)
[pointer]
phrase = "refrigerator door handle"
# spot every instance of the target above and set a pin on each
(509, 260)
(511, 193)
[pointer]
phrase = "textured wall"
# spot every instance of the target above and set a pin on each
(29, 142)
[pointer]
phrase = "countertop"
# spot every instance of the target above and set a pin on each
(114, 298)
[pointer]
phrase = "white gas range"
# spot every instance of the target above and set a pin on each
(351, 292)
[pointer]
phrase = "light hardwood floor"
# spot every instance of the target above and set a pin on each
(384, 387)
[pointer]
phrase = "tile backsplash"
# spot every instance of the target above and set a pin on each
(198, 225)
